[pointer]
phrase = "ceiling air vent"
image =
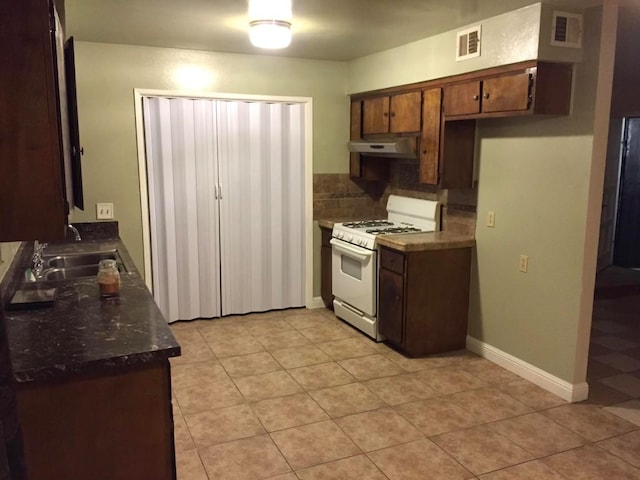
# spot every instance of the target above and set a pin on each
(468, 43)
(566, 30)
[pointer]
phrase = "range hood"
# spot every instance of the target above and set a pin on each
(394, 147)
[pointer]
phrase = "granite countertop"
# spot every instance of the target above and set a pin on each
(416, 242)
(81, 333)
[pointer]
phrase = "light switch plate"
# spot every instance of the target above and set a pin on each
(491, 219)
(104, 211)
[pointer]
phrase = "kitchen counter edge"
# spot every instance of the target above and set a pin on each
(418, 242)
(82, 334)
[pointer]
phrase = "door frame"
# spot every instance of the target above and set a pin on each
(615, 151)
(307, 102)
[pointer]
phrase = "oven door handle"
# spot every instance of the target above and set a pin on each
(358, 253)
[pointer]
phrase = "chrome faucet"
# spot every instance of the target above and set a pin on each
(76, 233)
(37, 261)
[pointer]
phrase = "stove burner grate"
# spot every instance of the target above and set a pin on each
(384, 231)
(368, 223)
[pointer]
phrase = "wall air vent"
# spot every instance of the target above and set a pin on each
(468, 43)
(566, 30)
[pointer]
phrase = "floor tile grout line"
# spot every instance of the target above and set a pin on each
(597, 444)
(407, 371)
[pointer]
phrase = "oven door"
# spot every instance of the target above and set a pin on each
(353, 276)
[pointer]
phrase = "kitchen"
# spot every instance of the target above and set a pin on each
(504, 303)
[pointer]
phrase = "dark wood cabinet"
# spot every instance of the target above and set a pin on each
(116, 426)
(443, 113)
(33, 201)
(325, 268)
(424, 299)
(369, 169)
(544, 88)
(446, 148)
(392, 114)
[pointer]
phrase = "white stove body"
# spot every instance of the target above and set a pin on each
(355, 258)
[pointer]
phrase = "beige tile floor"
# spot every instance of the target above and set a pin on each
(300, 395)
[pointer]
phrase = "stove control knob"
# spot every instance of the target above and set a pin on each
(348, 238)
(339, 234)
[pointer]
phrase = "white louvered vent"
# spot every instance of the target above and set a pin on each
(566, 30)
(468, 43)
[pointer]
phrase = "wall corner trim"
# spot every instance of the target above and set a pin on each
(565, 390)
(316, 302)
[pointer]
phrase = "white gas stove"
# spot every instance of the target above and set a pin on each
(354, 257)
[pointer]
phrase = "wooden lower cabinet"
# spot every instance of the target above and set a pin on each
(424, 299)
(100, 427)
(325, 268)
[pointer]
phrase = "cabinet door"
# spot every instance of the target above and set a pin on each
(375, 115)
(430, 140)
(32, 197)
(462, 99)
(506, 93)
(355, 170)
(325, 268)
(391, 306)
(405, 112)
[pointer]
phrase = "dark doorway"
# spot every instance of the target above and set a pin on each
(626, 252)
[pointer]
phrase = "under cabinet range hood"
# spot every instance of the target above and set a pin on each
(393, 147)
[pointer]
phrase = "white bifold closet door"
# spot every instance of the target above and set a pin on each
(226, 202)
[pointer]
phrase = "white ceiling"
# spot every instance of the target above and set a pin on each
(322, 29)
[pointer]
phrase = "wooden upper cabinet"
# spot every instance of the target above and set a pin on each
(430, 138)
(375, 115)
(405, 112)
(446, 148)
(507, 93)
(32, 193)
(365, 168)
(544, 88)
(462, 99)
(399, 113)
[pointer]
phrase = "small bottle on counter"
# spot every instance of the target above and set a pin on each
(108, 279)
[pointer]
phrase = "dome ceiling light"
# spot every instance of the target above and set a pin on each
(270, 23)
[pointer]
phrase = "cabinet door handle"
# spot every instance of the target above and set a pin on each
(385, 114)
(475, 97)
(486, 95)
(393, 114)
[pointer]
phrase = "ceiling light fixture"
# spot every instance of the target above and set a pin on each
(270, 23)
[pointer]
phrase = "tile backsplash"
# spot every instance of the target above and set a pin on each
(336, 195)
(8, 250)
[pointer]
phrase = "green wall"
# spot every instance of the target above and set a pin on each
(107, 75)
(534, 174)
(508, 38)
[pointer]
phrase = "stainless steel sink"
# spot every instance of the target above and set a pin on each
(69, 273)
(80, 259)
(71, 266)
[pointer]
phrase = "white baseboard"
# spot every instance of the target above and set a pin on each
(565, 390)
(316, 302)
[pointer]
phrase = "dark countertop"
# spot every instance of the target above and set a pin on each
(81, 333)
